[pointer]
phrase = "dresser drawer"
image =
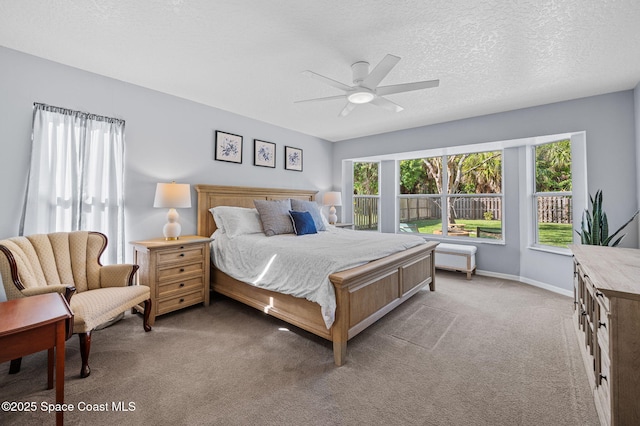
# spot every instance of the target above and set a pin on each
(179, 302)
(180, 272)
(182, 254)
(181, 287)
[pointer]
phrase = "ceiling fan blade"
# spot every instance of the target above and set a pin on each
(329, 98)
(406, 87)
(386, 104)
(347, 109)
(380, 71)
(327, 80)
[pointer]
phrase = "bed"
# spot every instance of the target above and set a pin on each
(363, 294)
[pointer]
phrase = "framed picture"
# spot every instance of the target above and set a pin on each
(228, 147)
(292, 158)
(264, 153)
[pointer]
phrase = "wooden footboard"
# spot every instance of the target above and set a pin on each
(363, 294)
(367, 293)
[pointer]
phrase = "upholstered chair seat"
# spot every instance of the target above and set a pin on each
(69, 263)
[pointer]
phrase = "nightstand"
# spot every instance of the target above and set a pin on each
(176, 271)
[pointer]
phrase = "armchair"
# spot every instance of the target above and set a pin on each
(69, 263)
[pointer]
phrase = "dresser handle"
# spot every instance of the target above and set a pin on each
(602, 324)
(181, 269)
(181, 284)
(583, 313)
(603, 377)
(181, 247)
(181, 254)
(599, 294)
(181, 300)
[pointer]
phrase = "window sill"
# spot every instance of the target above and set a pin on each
(432, 237)
(552, 250)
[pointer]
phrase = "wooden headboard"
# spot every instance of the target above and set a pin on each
(239, 196)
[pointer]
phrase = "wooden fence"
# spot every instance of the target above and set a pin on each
(419, 208)
(365, 212)
(558, 209)
(554, 209)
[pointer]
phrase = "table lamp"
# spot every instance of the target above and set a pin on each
(333, 199)
(173, 196)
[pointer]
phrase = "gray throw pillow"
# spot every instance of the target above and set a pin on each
(274, 215)
(313, 208)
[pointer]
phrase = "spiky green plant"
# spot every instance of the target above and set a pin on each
(596, 229)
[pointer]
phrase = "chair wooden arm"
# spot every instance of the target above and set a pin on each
(117, 275)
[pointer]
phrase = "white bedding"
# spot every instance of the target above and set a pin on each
(301, 265)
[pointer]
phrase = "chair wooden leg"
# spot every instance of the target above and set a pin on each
(14, 367)
(85, 348)
(147, 313)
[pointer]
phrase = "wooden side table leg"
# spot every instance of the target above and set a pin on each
(50, 365)
(60, 346)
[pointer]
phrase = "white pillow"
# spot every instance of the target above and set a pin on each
(235, 221)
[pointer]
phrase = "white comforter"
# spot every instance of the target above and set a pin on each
(301, 265)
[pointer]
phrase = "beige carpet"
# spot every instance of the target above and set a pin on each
(480, 352)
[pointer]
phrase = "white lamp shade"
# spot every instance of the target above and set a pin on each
(173, 195)
(332, 198)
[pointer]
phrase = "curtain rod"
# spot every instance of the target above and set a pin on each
(82, 114)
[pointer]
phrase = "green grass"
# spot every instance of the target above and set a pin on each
(550, 234)
(555, 234)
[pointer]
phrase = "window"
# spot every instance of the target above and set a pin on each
(365, 196)
(463, 190)
(552, 195)
(76, 178)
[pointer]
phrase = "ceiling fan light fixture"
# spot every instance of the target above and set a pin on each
(360, 97)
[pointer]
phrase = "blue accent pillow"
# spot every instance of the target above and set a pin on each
(302, 223)
(313, 209)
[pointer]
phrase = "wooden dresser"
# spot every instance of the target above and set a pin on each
(607, 317)
(177, 272)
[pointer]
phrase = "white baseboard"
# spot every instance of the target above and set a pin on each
(545, 286)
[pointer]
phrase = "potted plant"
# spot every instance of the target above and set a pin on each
(595, 226)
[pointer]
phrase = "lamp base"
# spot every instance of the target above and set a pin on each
(172, 228)
(333, 218)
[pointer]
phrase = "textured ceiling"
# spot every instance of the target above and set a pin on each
(247, 56)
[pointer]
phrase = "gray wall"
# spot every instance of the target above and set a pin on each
(167, 138)
(609, 123)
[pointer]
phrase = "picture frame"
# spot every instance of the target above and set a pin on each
(264, 153)
(292, 158)
(228, 147)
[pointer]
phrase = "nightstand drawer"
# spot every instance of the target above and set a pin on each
(181, 287)
(179, 272)
(186, 254)
(179, 302)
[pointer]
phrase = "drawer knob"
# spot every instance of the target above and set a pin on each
(603, 377)
(181, 300)
(599, 294)
(181, 254)
(181, 247)
(181, 284)
(583, 313)
(602, 324)
(181, 269)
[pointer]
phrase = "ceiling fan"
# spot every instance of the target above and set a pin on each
(365, 89)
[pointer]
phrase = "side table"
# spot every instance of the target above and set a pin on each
(32, 324)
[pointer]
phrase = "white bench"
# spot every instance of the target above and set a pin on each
(456, 257)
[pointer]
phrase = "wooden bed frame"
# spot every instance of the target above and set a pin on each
(363, 294)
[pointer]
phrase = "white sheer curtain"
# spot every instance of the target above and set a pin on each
(76, 179)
